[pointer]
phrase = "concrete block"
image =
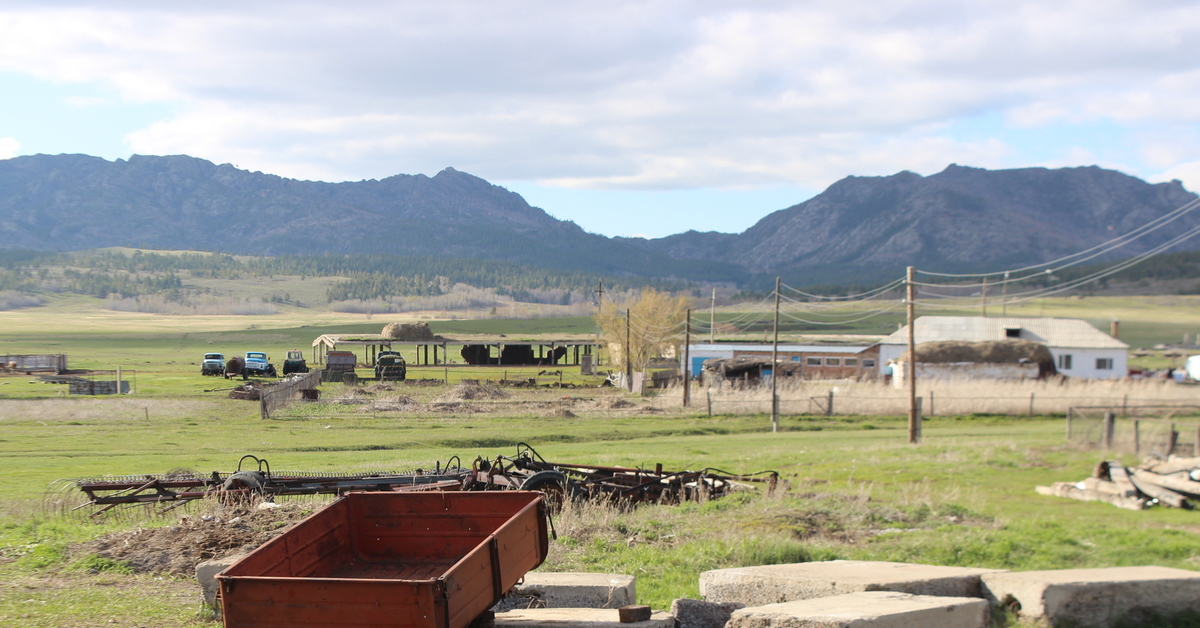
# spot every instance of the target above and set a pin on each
(700, 614)
(770, 584)
(576, 618)
(1095, 597)
(206, 575)
(868, 609)
(571, 590)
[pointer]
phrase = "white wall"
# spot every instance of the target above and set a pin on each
(1083, 363)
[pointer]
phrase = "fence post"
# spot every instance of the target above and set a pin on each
(1125, 405)
(1137, 436)
(829, 406)
(931, 403)
(1172, 441)
(1030, 404)
(1110, 420)
(446, 376)
(1070, 414)
(920, 418)
(708, 400)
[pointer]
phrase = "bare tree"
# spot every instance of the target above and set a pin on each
(655, 325)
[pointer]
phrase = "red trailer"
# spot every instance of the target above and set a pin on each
(428, 560)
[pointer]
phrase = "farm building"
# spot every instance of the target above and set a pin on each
(995, 359)
(1079, 349)
(442, 351)
(817, 361)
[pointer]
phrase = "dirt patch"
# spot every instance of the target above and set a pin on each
(562, 413)
(177, 549)
(374, 388)
(472, 391)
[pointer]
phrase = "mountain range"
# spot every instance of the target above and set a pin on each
(859, 229)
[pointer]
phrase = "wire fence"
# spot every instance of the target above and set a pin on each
(1154, 430)
(283, 393)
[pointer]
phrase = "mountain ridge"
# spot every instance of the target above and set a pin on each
(961, 218)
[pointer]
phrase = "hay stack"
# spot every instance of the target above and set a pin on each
(407, 331)
(991, 352)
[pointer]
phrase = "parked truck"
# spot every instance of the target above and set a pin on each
(259, 365)
(295, 362)
(390, 365)
(213, 364)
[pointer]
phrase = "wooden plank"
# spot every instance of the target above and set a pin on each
(1119, 476)
(1068, 490)
(1163, 495)
(1187, 487)
(1103, 486)
(1174, 465)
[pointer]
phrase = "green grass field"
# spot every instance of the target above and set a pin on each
(857, 490)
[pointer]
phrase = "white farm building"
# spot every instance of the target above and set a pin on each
(1079, 349)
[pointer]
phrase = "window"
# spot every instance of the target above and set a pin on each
(1104, 364)
(851, 361)
(833, 361)
(1064, 362)
(812, 361)
(868, 363)
(1012, 332)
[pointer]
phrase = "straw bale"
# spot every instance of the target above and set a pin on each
(991, 352)
(407, 331)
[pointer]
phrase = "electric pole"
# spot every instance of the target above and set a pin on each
(775, 366)
(911, 371)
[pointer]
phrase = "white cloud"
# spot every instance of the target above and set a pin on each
(634, 95)
(9, 147)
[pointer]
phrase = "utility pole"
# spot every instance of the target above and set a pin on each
(985, 297)
(687, 357)
(775, 366)
(628, 355)
(712, 317)
(911, 370)
(1004, 297)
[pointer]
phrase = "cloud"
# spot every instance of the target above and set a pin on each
(655, 94)
(9, 147)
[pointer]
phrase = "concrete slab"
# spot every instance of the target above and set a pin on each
(206, 575)
(868, 609)
(571, 590)
(1095, 597)
(576, 618)
(700, 614)
(770, 584)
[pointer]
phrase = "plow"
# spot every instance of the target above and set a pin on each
(526, 470)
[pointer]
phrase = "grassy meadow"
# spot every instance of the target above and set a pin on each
(855, 488)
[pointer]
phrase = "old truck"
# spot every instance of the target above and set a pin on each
(295, 362)
(213, 364)
(259, 365)
(390, 365)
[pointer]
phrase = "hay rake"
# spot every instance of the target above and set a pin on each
(168, 491)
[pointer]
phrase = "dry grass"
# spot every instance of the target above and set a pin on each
(940, 397)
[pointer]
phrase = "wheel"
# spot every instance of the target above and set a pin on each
(554, 485)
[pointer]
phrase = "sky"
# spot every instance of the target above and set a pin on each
(630, 118)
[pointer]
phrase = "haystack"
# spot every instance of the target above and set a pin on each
(407, 331)
(990, 352)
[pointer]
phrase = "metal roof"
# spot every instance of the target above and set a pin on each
(783, 348)
(1071, 333)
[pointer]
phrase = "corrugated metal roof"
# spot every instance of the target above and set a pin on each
(1053, 332)
(783, 348)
